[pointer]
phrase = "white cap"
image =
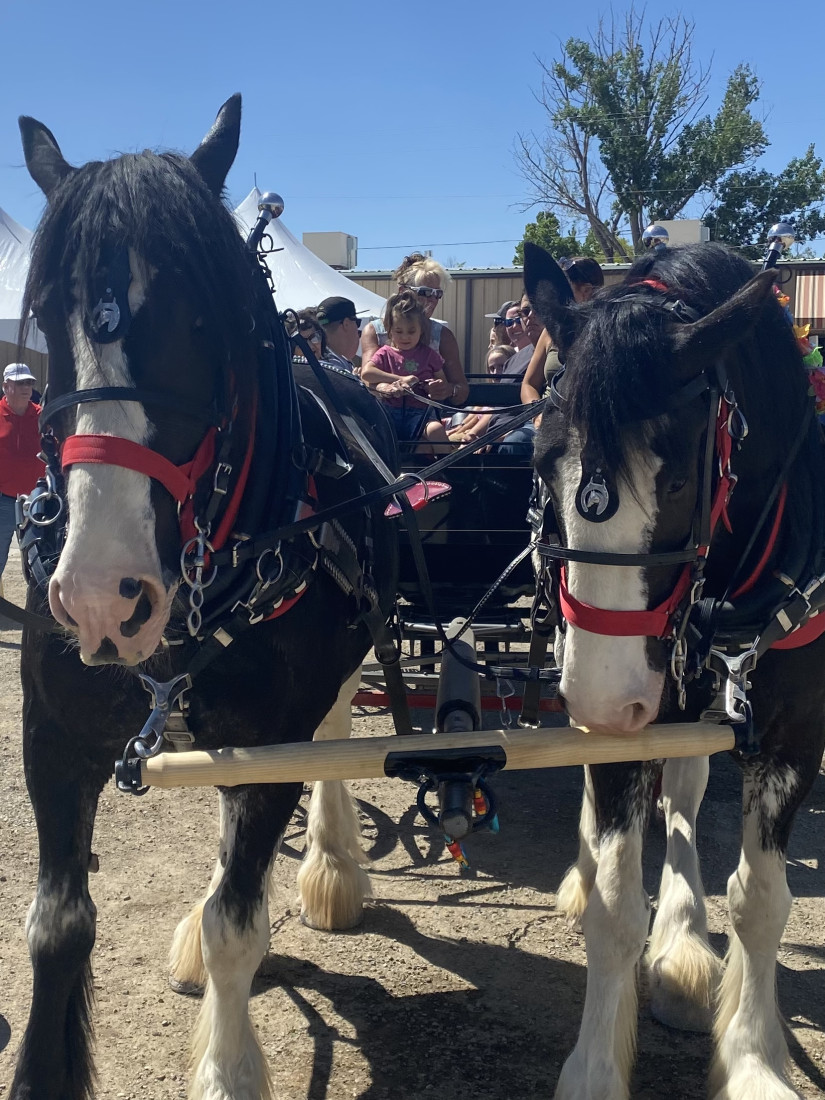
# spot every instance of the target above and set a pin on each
(18, 372)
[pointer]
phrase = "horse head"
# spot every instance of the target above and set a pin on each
(622, 450)
(140, 285)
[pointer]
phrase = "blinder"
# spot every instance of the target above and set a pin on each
(110, 317)
(597, 497)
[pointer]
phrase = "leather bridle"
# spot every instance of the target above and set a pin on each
(179, 481)
(726, 424)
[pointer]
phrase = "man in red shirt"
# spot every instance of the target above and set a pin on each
(19, 447)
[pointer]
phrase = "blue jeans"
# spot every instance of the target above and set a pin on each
(409, 420)
(518, 443)
(7, 528)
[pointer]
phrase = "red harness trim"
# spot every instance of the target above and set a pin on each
(112, 450)
(747, 585)
(657, 284)
(803, 635)
(655, 623)
(623, 624)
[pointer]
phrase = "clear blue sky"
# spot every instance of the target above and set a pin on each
(394, 122)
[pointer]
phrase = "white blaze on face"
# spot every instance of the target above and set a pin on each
(606, 681)
(111, 533)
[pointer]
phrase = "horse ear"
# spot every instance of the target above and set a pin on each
(550, 294)
(706, 339)
(214, 156)
(43, 157)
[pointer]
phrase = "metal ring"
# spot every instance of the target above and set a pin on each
(421, 481)
(51, 519)
(276, 551)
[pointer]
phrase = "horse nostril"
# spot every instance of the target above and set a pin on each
(106, 653)
(57, 606)
(139, 616)
(130, 588)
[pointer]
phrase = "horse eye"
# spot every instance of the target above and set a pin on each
(677, 486)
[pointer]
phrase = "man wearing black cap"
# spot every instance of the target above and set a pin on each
(499, 332)
(340, 324)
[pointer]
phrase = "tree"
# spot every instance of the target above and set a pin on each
(626, 138)
(546, 231)
(747, 203)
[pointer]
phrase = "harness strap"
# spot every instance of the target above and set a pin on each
(749, 583)
(110, 450)
(252, 548)
(623, 624)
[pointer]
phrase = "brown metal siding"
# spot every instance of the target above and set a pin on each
(808, 304)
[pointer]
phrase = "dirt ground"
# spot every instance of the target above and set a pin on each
(452, 986)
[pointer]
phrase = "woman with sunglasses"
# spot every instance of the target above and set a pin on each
(312, 332)
(426, 279)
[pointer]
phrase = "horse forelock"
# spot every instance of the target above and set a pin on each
(158, 207)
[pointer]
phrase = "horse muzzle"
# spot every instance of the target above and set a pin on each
(121, 622)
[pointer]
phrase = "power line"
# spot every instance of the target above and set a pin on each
(436, 244)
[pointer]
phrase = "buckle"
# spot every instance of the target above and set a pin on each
(220, 482)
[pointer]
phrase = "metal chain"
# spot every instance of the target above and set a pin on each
(192, 564)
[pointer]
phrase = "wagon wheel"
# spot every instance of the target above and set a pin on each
(378, 830)
(423, 845)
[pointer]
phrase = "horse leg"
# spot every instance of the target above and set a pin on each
(751, 1052)
(684, 972)
(55, 1060)
(227, 1060)
(187, 973)
(575, 887)
(332, 881)
(615, 924)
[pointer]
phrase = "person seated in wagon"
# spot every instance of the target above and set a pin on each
(395, 370)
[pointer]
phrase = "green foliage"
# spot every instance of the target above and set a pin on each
(629, 140)
(546, 231)
(591, 248)
(748, 202)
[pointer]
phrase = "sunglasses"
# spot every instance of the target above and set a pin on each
(526, 311)
(508, 321)
(426, 292)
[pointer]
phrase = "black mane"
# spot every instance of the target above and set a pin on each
(623, 354)
(159, 205)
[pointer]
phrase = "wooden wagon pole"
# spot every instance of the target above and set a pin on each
(366, 758)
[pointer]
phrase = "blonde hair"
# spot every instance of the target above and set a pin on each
(416, 266)
(502, 351)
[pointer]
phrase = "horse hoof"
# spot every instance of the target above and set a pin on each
(186, 989)
(344, 925)
(680, 1013)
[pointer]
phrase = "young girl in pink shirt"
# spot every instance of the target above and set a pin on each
(405, 365)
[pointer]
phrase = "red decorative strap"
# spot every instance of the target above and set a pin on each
(110, 450)
(747, 585)
(657, 284)
(419, 496)
(622, 624)
(803, 635)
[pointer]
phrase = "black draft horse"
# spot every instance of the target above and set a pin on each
(171, 397)
(679, 384)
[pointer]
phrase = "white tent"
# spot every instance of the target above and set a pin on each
(15, 245)
(301, 278)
